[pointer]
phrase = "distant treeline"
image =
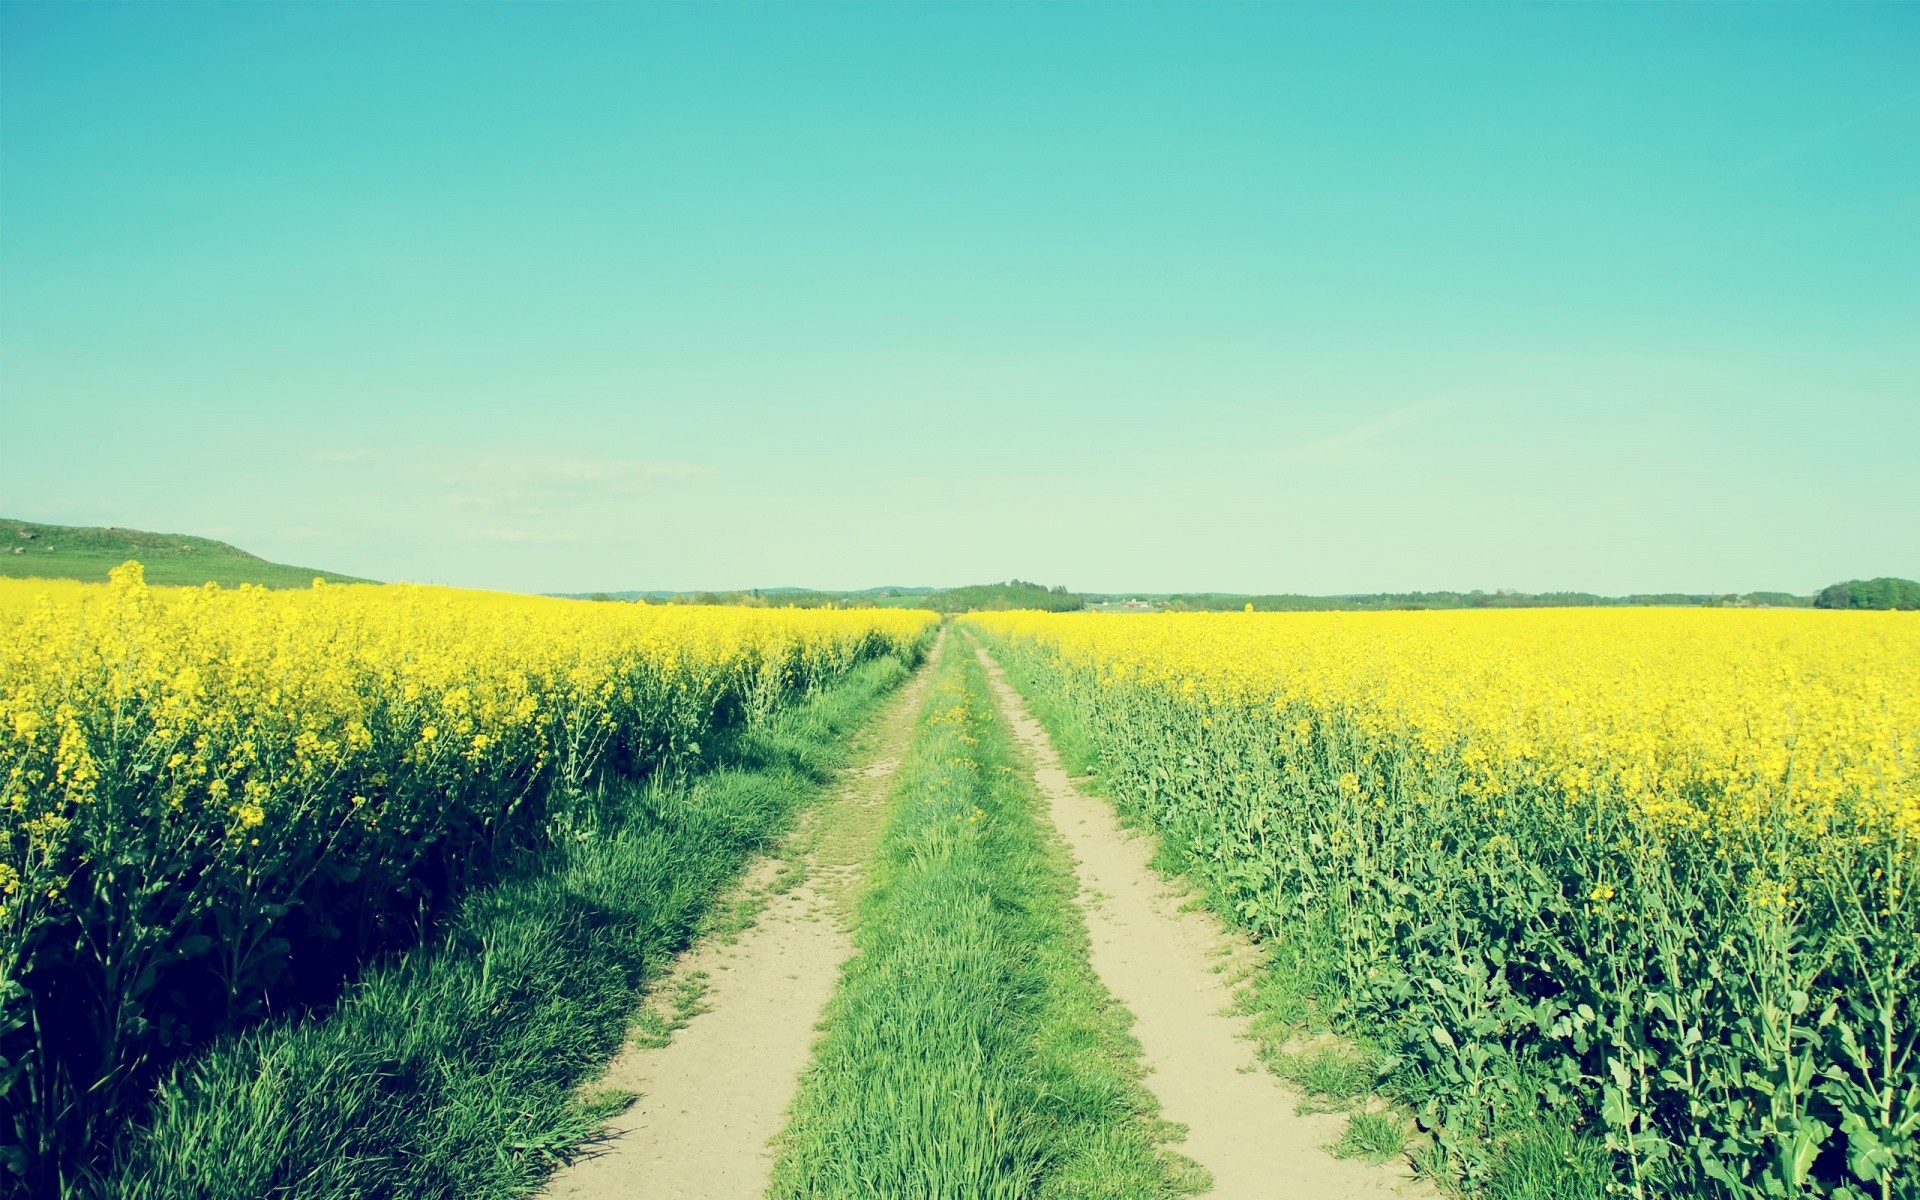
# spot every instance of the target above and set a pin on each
(998, 597)
(748, 598)
(1381, 601)
(1013, 594)
(1881, 593)
(1020, 594)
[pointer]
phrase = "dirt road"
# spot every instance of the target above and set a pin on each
(712, 1097)
(1166, 964)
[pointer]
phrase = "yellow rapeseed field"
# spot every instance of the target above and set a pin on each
(199, 786)
(239, 707)
(1695, 718)
(1650, 870)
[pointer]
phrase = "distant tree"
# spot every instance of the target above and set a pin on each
(1883, 593)
(1013, 594)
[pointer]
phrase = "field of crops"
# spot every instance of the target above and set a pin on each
(218, 801)
(1647, 872)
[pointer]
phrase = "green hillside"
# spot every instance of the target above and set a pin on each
(29, 550)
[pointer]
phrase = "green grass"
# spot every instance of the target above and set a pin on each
(970, 1052)
(1334, 1077)
(453, 1071)
(1377, 1137)
(1549, 1162)
(656, 1023)
(89, 552)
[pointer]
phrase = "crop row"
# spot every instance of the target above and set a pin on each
(1648, 872)
(215, 802)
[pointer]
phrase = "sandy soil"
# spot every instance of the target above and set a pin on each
(1171, 968)
(711, 1099)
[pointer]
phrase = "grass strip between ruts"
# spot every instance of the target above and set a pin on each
(970, 1052)
(451, 1072)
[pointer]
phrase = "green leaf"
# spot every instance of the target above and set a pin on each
(1804, 1147)
(1614, 1110)
(1867, 1156)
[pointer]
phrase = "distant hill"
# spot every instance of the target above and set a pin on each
(30, 550)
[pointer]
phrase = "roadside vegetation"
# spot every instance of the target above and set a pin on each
(970, 1052)
(220, 805)
(452, 1070)
(1615, 903)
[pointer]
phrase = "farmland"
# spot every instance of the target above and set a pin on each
(219, 804)
(1645, 875)
(809, 601)
(355, 888)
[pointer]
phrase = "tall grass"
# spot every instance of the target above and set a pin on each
(452, 1070)
(970, 1052)
(216, 805)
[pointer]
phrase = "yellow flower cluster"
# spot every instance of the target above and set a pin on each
(1695, 718)
(212, 799)
(249, 717)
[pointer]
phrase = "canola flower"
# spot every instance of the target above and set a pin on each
(1650, 868)
(198, 786)
(233, 708)
(1694, 718)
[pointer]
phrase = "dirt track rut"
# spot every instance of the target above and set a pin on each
(713, 1097)
(1169, 964)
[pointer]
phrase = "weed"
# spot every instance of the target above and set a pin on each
(1375, 1136)
(658, 1022)
(1334, 1077)
(1550, 1162)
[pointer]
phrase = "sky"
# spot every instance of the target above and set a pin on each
(1257, 298)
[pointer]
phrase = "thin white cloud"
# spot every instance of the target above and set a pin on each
(520, 487)
(584, 475)
(1805, 141)
(1366, 431)
(517, 498)
(552, 488)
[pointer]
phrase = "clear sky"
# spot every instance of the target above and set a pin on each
(1157, 297)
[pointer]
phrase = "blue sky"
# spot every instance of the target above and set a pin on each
(1303, 298)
